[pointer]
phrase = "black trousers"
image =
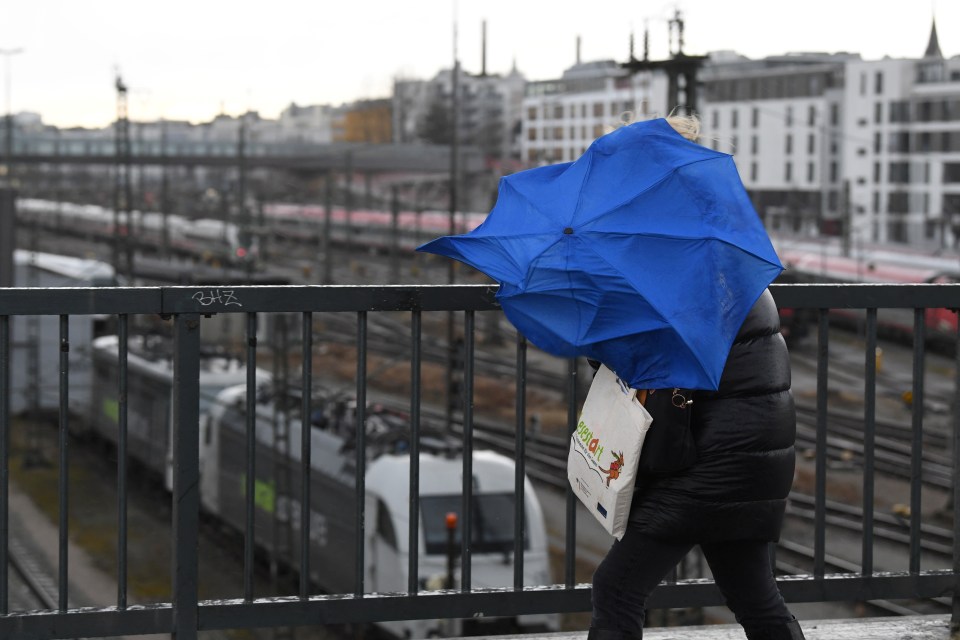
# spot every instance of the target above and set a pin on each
(637, 563)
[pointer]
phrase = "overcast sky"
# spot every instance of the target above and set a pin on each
(193, 60)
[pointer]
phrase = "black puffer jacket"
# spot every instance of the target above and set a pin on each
(744, 432)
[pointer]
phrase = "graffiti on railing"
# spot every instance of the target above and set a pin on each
(222, 296)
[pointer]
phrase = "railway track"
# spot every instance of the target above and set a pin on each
(31, 585)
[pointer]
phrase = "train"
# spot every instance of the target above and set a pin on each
(205, 239)
(150, 395)
(821, 261)
(225, 242)
(375, 230)
(35, 348)
(334, 502)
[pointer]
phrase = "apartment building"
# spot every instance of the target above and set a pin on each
(782, 120)
(838, 145)
(560, 118)
(826, 143)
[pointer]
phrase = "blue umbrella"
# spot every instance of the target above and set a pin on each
(645, 254)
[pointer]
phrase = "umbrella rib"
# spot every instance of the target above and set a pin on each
(586, 174)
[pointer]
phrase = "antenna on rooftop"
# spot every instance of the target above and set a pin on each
(676, 23)
(483, 48)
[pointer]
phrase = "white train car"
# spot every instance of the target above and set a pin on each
(207, 239)
(333, 503)
(150, 395)
(35, 342)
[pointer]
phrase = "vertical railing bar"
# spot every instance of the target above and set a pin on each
(361, 439)
(306, 431)
(820, 489)
(466, 520)
(570, 553)
(916, 449)
(955, 609)
(869, 434)
(413, 537)
(123, 337)
(4, 461)
(186, 474)
(519, 456)
(249, 542)
(64, 425)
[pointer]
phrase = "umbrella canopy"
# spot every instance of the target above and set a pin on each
(645, 254)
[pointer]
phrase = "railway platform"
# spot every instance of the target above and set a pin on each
(936, 627)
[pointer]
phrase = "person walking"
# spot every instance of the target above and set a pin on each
(731, 501)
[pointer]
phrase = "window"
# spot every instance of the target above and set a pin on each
(715, 119)
(863, 84)
(834, 114)
(755, 117)
(558, 111)
(385, 529)
(877, 142)
(734, 145)
(878, 113)
(788, 144)
(811, 115)
(811, 172)
(754, 144)
(898, 202)
(531, 113)
(834, 172)
(951, 172)
(734, 118)
(788, 117)
(788, 172)
(899, 111)
(754, 171)
(877, 173)
(597, 109)
(898, 172)
(811, 144)
(491, 522)
(878, 83)
(531, 134)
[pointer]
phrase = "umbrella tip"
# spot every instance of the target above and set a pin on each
(568, 230)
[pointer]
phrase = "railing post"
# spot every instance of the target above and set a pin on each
(955, 613)
(186, 474)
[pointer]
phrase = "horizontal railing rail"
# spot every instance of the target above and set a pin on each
(187, 308)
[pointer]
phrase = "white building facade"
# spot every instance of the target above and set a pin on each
(782, 120)
(903, 160)
(560, 118)
(837, 145)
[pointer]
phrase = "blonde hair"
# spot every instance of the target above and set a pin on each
(686, 125)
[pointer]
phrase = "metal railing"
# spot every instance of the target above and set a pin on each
(188, 307)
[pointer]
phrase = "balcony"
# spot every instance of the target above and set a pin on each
(401, 333)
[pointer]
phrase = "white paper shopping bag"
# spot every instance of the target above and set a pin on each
(605, 448)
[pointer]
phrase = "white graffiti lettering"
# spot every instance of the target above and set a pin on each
(223, 296)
